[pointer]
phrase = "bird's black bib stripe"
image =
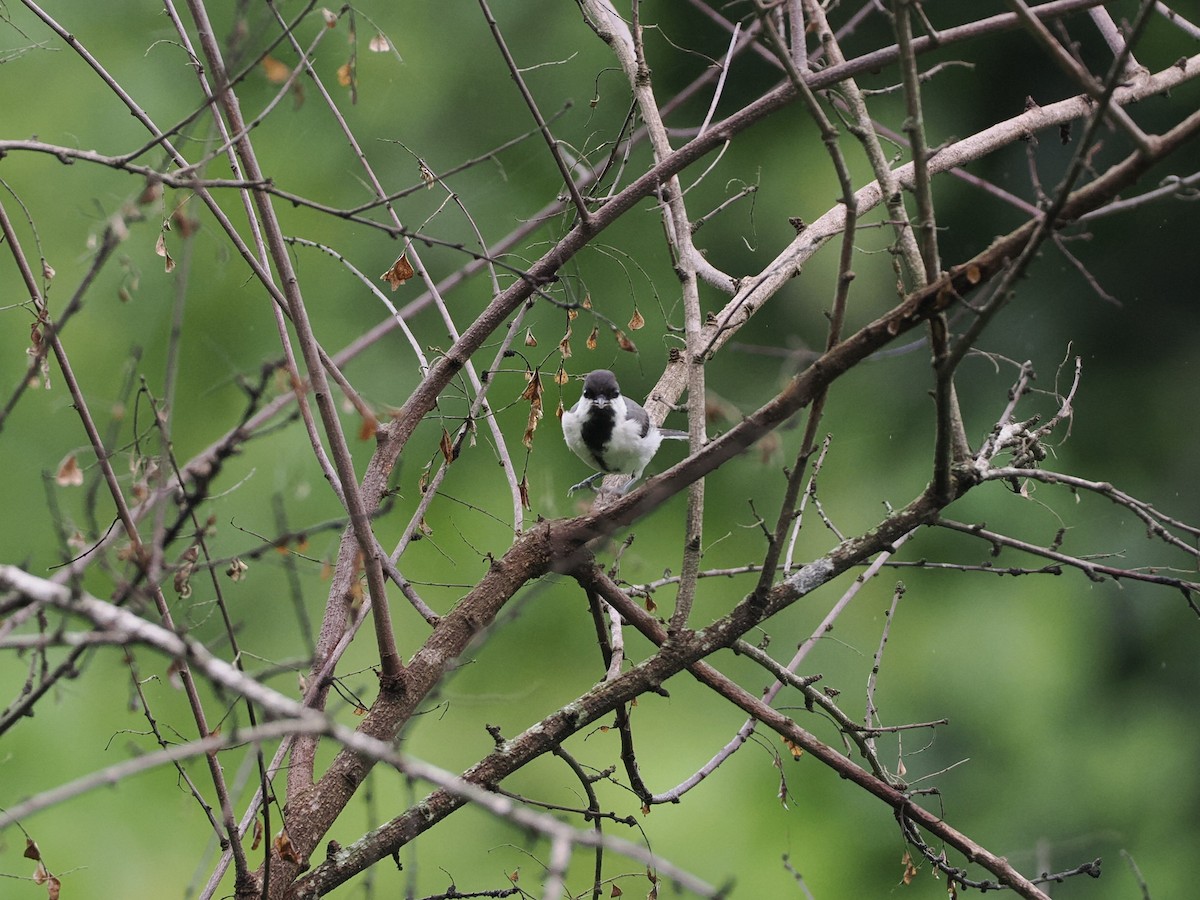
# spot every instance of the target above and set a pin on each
(597, 431)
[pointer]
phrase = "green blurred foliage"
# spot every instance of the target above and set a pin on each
(1070, 704)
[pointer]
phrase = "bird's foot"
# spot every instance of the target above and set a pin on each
(587, 482)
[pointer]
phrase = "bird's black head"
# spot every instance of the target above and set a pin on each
(601, 385)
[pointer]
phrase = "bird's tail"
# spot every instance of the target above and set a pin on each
(672, 434)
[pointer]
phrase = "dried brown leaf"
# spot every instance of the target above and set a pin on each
(768, 446)
(276, 72)
(183, 572)
(593, 338)
(345, 74)
(69, 474)
(160, 247)
(40, 874)
(183, 223)
(151, 193)
(624, 342)
(283, 846)
(532, 393)
(399, 273)
(636, 321)
(531, 427)
(379, 44)
(446, 445)
(533, 387)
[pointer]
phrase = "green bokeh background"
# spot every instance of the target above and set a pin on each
(1071, 704)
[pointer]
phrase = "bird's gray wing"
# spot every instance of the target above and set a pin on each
(635, 413)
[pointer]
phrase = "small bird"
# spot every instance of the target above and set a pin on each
(610, 432)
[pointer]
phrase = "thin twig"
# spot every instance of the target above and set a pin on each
(1095, 89)
(389, 657)
(1173, 16)
(515, 71)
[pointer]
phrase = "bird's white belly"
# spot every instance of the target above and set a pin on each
(628, 451)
